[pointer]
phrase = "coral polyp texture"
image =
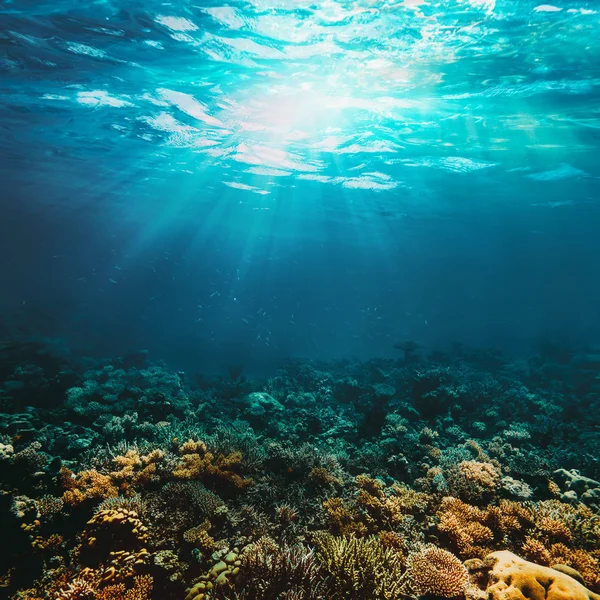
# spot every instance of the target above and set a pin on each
(435, 571)
(450, 476)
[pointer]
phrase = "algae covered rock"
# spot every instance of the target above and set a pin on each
(260, 409)
(513, 578)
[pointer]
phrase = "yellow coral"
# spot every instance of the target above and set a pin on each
(463, 524)
(513, 578)
(220, 575)
(89, 484)
(199, 537)
(198, 463)
(359, 567)
(323, 477)
(141, 590)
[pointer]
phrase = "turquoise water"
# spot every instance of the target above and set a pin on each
(242, 182)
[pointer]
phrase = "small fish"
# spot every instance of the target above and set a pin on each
(113, 281)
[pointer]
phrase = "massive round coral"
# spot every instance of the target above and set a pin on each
(432, 570)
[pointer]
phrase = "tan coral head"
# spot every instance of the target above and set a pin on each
(513, 578)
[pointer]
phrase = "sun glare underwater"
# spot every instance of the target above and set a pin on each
(299, 300)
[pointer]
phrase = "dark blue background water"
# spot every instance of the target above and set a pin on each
(238, 183)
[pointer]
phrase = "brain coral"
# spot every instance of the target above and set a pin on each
(513, 578)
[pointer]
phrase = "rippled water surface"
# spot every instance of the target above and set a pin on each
(300, 176)
(364, 94)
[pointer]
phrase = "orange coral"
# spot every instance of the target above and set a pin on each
(198, 463)
(89, 484)
(134, 471)
(587, 563)
(200, 538)
(391, 539)
(141, 590)
(463, 525)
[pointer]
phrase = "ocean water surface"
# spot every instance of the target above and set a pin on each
(246, 181)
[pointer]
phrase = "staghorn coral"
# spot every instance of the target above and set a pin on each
(375, 508)
(464, 527)
(78, 589)
(133, 503)
(269, 571)
(286, 514)
(560, 522)
(431, 570)
(140, 590)
(193, 496)
(321, 477)
(359, 568)
(391, 539)
(198, 463)
(49, 507)
(586, 563)
(133, 472)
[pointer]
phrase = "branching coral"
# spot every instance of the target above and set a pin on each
(141, 590)
(136, 471)
(463, 526)
(78, 589)
(86, 485)
(375, 508)
(199, 537)
(359, 568)
(270, 571)
(343, 520)
(133, 472)
(473, 481)
(198, 463)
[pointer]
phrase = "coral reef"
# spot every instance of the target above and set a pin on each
(378, 480)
